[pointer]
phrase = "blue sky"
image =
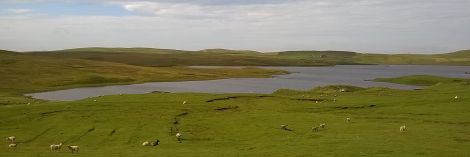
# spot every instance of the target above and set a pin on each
(375, 26)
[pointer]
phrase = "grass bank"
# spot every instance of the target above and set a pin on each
(249, 124)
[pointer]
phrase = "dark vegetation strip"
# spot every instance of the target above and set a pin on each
(237, 97)
(37, 136)
(73, 139)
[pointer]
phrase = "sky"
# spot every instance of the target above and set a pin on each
(371, 26)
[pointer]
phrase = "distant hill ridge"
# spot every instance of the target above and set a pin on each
(460, 52)
(225, 57)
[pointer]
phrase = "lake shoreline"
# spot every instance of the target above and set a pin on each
(299, 78)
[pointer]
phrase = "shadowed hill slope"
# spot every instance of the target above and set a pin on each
(222, 57)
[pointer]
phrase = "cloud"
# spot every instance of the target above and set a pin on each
(18, 11)
(167, 9)
(265, 25)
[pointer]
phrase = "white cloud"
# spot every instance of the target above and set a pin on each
(360, 25)
(18, 11)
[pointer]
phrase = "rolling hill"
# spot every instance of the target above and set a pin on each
(222, 57)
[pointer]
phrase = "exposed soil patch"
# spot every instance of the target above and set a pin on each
(226, 108)
(237, 97)
(354, 107)
(52, 112)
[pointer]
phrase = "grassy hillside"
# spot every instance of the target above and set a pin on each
(249, 124)
(165, 57)
(422, 80)
(158, 57)
(22, 73)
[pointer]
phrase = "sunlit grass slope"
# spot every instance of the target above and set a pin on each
(249, 124)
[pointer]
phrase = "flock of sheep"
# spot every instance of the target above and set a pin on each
(53, 147)
(75, 149)
(323, 125)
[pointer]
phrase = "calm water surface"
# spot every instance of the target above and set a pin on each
(301, 78)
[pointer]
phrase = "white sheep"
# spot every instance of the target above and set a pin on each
(56, 146)
(456, 97)
(178, 136)
(11, 139)
(155, 143)
(322, 125)
(315, 128)
(13, 145)
(73, 148)
(95, 100)
(146, 143)
(403, 128)
(284, 127)
(348, 119)
(184, 102)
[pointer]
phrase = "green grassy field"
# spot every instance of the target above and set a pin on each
(166, 57)
(249, 124)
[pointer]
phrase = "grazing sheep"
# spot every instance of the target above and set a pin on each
(284, 127)
(13, 145)
(403, 128)
(155, 143)
(348, 119)
(73, 148)
(322, 125)
(179, 136)
(342, 90)
(456, 97)
(95, 100)
(152, 143)
(315, 128)
(11, 139)
(184, 102)
(146, 143)
(56, 146)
